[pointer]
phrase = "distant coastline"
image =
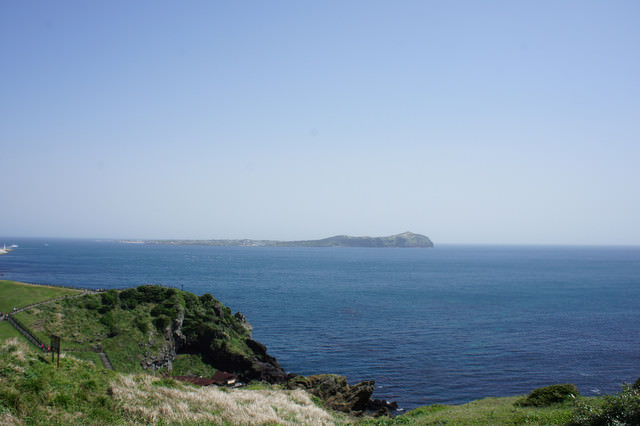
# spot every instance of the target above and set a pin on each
(404, 240)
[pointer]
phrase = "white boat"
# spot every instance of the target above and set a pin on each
(5, 250)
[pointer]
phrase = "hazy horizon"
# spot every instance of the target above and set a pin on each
(12, 239)
(468, 122)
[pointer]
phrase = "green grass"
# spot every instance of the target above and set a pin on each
(38, 392)
(82, 328)
(191, 365)
(7, 331)
(15, 295)
(487, 411)
(92, 357)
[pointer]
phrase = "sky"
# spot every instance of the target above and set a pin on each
(472, 122)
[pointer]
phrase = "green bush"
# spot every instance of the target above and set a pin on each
(92, 303)
(620, 409)
(164, 309)
(549, 395)
(162, 322)
(206, 298)
(142, 324)
(109, 322)
(110, 298)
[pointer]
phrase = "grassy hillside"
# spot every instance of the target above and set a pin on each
(148, 326)
(487, 411)
(15, 295)
(35, 392)
(8, 331)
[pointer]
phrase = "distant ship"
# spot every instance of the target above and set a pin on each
(5, 250)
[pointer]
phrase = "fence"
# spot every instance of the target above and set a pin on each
(25, 331)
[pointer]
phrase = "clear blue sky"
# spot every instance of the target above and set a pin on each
(469, 121)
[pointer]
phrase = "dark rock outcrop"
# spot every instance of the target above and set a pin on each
(199, 325)
(336, 393)
(263, 366)
(380, 407)
(252, 364)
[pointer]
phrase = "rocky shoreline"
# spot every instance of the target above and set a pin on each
(332, 389)
(162, 323)
(338, 395)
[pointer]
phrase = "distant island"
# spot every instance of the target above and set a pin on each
(404, 240)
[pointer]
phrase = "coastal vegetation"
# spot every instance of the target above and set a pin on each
(153, 334)
(148, 327)
(34, 391)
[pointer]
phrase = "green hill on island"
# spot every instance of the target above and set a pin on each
(152, 334)
(404, 240)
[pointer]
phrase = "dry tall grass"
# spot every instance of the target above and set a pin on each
(146, 403)
(7, 419)
(144, 399)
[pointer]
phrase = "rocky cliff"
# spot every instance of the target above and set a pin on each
(203, 326)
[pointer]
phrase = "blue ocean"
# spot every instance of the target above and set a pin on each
(444, 325)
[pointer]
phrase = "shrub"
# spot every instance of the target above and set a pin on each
(164, 309)
(620, 409)
(92, 303)
(109, 299)
(162, 322)
(549, 395)
(107, 320)
(129, 298)
(142, 324)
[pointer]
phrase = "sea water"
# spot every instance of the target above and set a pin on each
(443, 325)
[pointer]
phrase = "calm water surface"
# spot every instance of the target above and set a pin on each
(443, 325)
